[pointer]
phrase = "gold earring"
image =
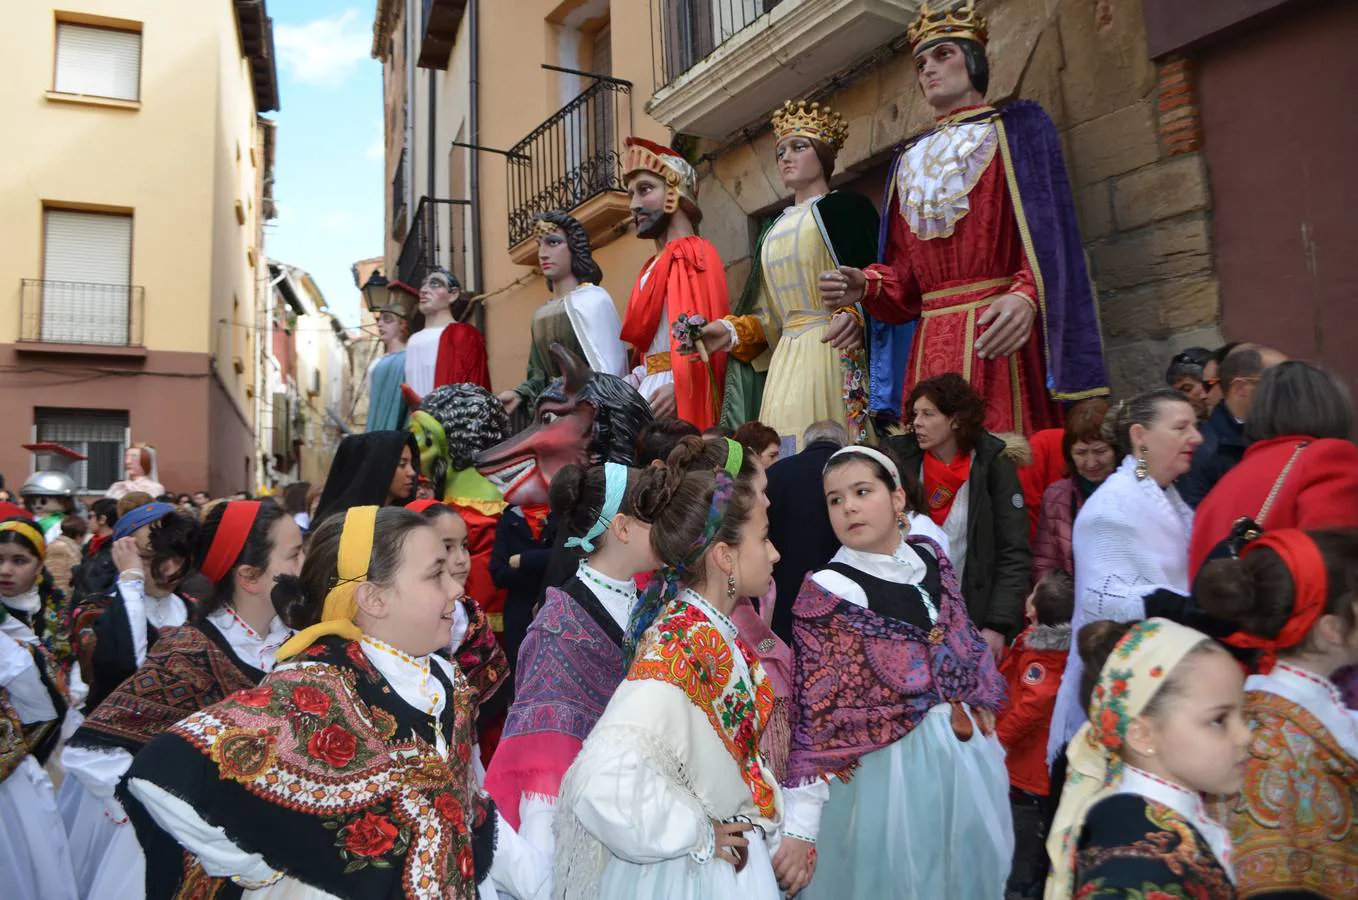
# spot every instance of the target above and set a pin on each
(1141, 469)
(730, 587)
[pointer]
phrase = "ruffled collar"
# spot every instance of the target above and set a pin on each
(1186, 803)
(903, 566)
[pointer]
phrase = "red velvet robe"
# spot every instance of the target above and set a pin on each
(687, 277)
(985, 246)
(462, 357)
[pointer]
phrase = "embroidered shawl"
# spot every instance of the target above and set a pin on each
(1294, 824)
(685, 649)
(864, 681)
(480, 656)
(569, 667)
(333, 779)
(188, 669)
(13, 741)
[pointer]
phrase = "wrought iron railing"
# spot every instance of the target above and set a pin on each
(433, 241)
(77, 312)
(398, 197)
(571, 157)
(689, 30)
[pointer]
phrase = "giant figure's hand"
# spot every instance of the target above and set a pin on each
(663, 405)
(716, 337)
(844, 333)
(511, 400)
(1010, 321)
(842, 287)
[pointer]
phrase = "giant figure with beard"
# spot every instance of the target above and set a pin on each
(685, 276)
(584, 417)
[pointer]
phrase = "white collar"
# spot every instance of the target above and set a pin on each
(903, 566)
(617, 597)
(1184, 802)
(28, 602)
(409, 676)
(260, 651)
(1316, 695)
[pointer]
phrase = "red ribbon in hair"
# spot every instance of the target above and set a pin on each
(1310, 584)
(227, 543)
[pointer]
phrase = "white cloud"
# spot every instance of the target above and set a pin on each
(322, 51)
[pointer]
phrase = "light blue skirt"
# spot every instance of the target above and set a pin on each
(927, 817)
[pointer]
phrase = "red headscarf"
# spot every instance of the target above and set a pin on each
(1310, 584)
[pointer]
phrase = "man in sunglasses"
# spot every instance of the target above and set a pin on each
(1187, 374)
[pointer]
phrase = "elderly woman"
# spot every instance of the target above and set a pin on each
(1131, 537)
(1089, 460)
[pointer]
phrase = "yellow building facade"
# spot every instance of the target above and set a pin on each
(136, 184)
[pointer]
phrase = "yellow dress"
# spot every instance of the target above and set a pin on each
(805, 376)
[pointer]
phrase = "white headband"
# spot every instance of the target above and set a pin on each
(871, 453)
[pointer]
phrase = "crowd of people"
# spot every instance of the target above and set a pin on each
(866, 587)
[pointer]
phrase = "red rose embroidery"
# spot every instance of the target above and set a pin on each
(310, 700)
(371, 835)
(464, 863)
(315, 650)
(257, 698)
(450, 809)
(333, 746)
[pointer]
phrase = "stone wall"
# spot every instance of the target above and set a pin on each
(1132, 144)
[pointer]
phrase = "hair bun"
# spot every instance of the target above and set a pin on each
(1097, 640)
(656, 488)
(564, 493)
(290, 601)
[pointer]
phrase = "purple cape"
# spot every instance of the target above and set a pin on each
(1074, 345)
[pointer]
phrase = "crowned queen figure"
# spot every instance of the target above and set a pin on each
(982, 271)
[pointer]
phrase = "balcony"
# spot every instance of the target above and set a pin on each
(722, 64)
(441, 19)
(574, 164)
(436, 223)
(398, 198)
(78, 317)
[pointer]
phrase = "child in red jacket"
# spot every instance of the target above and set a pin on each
(1032, 669)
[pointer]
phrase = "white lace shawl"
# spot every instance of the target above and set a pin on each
(1129, 540)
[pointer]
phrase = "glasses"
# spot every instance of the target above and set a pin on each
(1210, 383)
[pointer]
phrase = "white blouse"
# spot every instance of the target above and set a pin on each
(142, 610)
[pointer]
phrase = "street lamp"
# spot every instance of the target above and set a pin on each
(376, 292)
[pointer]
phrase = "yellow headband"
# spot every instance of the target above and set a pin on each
(337, 613)
(33, 535)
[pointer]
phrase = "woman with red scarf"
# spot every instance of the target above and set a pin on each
(972, 491)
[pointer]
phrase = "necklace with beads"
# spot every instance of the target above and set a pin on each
(588, 574)
(423, 666)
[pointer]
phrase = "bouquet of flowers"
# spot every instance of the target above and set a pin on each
(687, 332)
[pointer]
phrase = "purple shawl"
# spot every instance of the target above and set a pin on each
(864, 681)
(568, 671)
(1073, 342)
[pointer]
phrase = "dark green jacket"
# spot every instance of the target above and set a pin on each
(851, 221)
(999, 561)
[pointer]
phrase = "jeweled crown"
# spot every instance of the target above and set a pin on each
(959, 23)
(813, 121)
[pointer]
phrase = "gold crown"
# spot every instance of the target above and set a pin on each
(543, 228)
(816, 121)
(959, 23)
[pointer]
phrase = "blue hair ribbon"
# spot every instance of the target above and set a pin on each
(615, 486)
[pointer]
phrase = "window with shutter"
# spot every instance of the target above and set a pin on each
(87, 269)
(99, 434)
(98, 62)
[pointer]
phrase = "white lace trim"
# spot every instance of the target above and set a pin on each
(936, 175)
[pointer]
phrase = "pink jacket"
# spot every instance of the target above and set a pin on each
(1051, 546)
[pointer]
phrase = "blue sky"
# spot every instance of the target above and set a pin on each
(329, 168)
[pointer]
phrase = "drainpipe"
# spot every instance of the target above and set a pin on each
(474, 176)
(430, 184)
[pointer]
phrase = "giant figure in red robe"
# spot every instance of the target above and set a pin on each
(982, 270)
(685, 277)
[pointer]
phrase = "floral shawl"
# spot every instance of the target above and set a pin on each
(329, 776)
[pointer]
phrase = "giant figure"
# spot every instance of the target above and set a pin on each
(447, 350)
(685, 277)
(982, 271)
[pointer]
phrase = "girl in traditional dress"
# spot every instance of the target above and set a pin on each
(670, 796)
(229, 646)
(35, 606)
(1165, 728)
(35, 860)
(153, 548)
(813, 357)
(366, 713)
(1294, 597)
(571, 659)
(580, 316)
(895, 777)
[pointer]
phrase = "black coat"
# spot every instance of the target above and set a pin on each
(999, 561)
(1223, 446)
(523, 585)
(95, 575)
(799, 526)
